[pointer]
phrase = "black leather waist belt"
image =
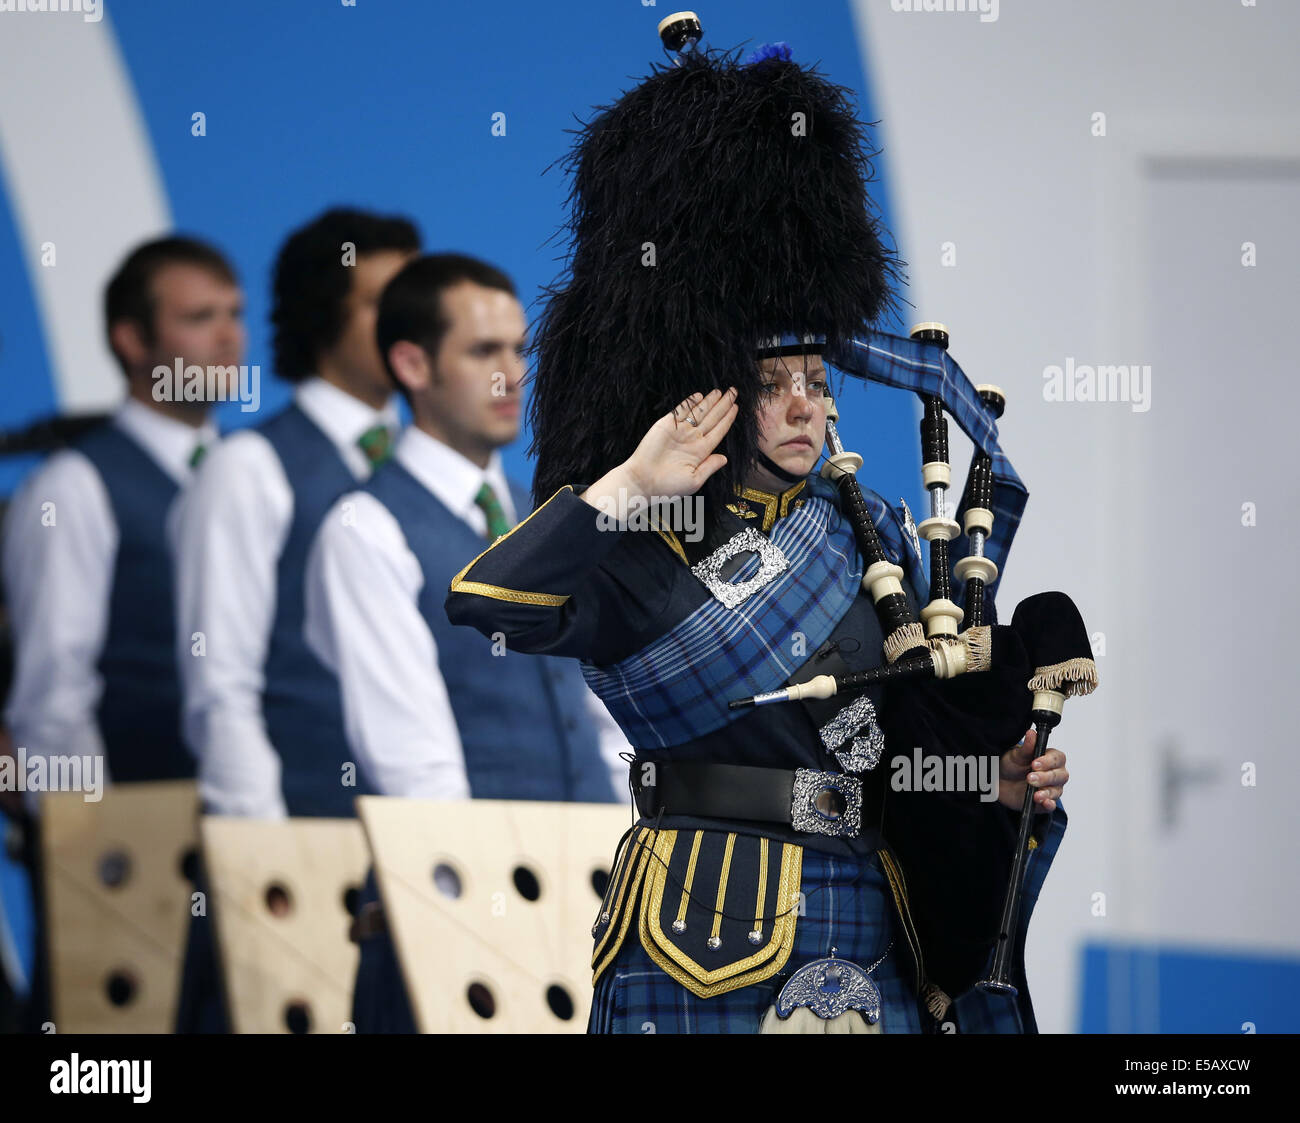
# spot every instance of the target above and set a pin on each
(827, 803)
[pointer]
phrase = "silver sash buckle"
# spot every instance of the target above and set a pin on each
(828, 803)
(772, 563)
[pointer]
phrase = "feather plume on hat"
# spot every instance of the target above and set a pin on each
(714, 205)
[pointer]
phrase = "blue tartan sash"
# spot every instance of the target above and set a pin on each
(678, 687)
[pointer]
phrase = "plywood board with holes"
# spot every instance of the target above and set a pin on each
(280, 898)
(458, 880)
(117, 894)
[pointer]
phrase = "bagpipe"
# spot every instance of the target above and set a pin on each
(964, 685)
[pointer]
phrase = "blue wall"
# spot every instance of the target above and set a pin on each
(1130, 988)
(388, 105)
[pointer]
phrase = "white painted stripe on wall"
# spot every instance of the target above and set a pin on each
(80, 172)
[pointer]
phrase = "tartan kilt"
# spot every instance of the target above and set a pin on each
(847, 905)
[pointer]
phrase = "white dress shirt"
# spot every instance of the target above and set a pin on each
(229, 534)
(60, 547)
(363, 621)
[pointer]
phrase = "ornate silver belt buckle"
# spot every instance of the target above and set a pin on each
(828, 803)
(829, 987)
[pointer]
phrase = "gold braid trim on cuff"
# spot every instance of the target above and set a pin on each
(498, 592)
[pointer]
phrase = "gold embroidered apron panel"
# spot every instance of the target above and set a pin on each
(716, 911)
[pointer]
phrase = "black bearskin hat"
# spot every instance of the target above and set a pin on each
(714, 205)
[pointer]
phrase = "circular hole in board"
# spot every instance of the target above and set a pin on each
(481, 1000)
(526, 883)
(279, 901)
(447, 881)
(560, 1002)
(297, 1016)
(114, 868)
(121, 986)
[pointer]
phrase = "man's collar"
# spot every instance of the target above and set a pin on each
(450, 475)
(339, 415)
(166, 439)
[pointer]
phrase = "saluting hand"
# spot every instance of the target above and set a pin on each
(676, 455)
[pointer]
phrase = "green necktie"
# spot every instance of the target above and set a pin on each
(196, 457)
(497, 522)
(377, 443)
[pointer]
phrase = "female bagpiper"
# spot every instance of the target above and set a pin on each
(688, 554)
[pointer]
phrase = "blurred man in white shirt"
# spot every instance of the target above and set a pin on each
(432, 710)
(260, 713)
(87, 567)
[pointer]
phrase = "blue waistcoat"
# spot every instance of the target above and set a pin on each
(140, 710)
(523, 719)
(301, 704)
